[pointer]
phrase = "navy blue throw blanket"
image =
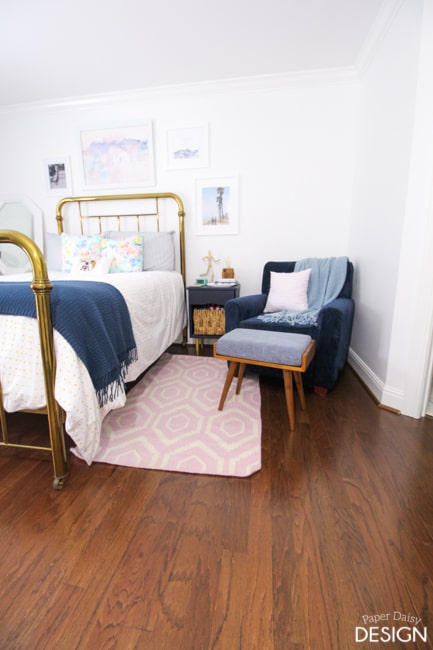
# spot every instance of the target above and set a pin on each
(94, 318)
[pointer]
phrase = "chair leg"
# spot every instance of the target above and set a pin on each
(288, 386)
(230, 374)
(300, 387)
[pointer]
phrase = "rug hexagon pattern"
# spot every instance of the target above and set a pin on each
(171, 421)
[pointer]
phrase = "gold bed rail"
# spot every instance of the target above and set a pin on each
(41, 287)
(79, 200)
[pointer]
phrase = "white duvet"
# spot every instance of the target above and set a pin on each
(156, 303)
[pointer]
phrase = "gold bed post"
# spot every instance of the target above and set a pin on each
(41, 287)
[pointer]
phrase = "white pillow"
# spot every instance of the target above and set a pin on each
(288, 291)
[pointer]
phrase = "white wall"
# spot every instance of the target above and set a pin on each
(387, 231)
(411, 354)
(291, 142)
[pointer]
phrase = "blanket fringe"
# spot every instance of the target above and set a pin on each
(114, 383)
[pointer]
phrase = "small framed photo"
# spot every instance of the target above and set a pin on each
(118, 156)
(217, 206)
(188, 147)
(57, 173)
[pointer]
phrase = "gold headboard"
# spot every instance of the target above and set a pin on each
(145, 206)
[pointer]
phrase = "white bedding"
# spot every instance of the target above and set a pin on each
(156, 305)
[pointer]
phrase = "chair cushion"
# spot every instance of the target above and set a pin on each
(284, 348)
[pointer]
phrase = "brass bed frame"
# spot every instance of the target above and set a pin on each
(42, 286)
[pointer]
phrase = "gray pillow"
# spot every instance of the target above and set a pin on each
(53, 254)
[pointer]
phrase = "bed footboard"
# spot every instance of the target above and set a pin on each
(41, 287)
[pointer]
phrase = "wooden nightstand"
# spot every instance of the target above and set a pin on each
(206, 310)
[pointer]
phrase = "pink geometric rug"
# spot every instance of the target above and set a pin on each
(171, 421)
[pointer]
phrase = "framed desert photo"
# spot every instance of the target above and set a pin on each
(217, 206)
(118, 156)
(57, 174)
(188, 147)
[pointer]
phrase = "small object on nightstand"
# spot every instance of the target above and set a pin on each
(228, 273)
(209, 273)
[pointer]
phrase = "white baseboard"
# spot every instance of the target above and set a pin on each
(387, 396)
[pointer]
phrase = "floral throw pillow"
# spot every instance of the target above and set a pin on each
(79, 247)
(126, 254)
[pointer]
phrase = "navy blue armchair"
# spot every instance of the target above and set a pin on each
(332, 331)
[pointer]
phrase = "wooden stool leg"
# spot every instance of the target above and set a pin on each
(300, 387)
(288, 385)
(230, 374)
(241, 374)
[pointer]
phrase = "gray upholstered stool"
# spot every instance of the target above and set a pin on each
(291, 353)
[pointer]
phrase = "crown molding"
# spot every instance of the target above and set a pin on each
(252, 84)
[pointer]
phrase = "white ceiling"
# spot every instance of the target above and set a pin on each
(53, 49)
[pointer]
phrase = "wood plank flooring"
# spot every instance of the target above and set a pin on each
(336, 527)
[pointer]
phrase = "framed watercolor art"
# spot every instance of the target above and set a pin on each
(118, 157)
(188, 147)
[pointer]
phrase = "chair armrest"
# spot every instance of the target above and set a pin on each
(344, 305)
(335, 328)
(238, 309)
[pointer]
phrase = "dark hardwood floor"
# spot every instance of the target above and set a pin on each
(330, 542)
